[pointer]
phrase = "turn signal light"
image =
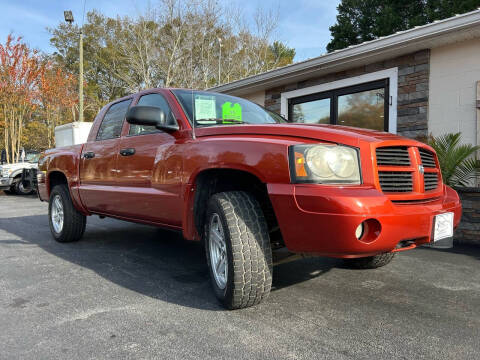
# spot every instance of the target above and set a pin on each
(300, 165)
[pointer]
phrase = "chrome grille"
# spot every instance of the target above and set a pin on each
(395, 181)
(430, 181)
(393, 156)
(427, 157)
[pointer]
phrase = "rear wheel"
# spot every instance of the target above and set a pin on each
(370, 262)
(67, 224)
(238, 249)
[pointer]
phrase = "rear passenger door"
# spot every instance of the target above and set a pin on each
(98, 163)
(149, 176)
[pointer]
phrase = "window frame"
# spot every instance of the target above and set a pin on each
(123, 120)
(156, 131)
(335, 93)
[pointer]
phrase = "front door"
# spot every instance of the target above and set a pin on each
(149, 172)
(98, 162)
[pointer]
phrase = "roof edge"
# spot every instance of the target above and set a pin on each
(369, 48)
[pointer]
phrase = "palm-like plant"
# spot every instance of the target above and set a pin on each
(457, 161)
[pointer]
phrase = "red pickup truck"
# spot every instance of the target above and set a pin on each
(249, 184)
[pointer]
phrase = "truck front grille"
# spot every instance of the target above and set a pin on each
(395, 181)
(404, 169)
(430, 181)
(393, 156)
(427, 158)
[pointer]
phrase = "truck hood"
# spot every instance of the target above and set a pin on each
(330, 133)
(25, 165)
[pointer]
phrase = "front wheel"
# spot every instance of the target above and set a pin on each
(238, 249)
(370, 262)
(22, 189)
(67, 224)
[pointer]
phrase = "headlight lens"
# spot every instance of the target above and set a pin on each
(329, 164)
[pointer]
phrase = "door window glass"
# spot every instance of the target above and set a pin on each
(365, 109)
(111, 126)
(155, 100)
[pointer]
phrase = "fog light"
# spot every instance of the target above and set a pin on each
(359, 231)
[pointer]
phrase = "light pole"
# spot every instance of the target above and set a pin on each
(69, 19)
(219, 59)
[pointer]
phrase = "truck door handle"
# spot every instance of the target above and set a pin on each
(127, 152)
(89, 155)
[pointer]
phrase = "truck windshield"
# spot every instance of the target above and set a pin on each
(208, 108)
(32, 158)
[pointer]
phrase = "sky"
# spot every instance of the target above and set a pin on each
(303, 24)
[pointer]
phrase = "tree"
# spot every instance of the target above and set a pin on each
(179, 43)
(101, 63)
(20, 72)
(58, 97)
(281, 54)
(364, 20)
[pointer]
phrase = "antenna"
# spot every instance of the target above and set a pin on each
(193, 117)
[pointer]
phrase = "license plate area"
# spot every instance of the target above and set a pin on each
(442, 226)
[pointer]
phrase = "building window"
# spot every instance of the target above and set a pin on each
(364, 105)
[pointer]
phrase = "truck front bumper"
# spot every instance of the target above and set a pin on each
(5, 183)
(322, 220)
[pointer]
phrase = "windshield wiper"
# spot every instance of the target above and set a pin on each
(215, 121)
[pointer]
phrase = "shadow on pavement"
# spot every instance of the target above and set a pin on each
(147, 260)
(461, 249)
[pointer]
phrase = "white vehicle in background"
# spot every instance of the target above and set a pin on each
(11, 176)
(11, 179)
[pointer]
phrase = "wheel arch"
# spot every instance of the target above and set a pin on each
(54, 178)
(215, 180)
(16, 173)
(58, 177)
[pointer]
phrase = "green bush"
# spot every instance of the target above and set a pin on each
(457, 161)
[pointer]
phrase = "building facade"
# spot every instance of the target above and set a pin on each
(415, 83)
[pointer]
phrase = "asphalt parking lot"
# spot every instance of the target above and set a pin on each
(132, 291)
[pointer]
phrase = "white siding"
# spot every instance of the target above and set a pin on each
(454, 72)
(256, 97)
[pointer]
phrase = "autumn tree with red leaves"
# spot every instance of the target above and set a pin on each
(35, 96)
(58, 99)
(20, 72)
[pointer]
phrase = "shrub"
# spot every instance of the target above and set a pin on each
(457, 161)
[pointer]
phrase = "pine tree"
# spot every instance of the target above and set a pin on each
(363, 20)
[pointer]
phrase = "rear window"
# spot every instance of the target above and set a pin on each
(111, 126)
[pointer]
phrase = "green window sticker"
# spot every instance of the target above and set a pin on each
(230, 112)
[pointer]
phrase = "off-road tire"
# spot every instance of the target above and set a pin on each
(370, 262)
(249, 254)
(20, 190)
(74, 222)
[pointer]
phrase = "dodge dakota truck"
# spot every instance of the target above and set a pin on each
(248, 184)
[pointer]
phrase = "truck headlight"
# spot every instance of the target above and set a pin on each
(325, 164)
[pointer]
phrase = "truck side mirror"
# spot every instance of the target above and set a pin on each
(149, 116)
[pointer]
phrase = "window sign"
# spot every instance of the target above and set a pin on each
(231, 112)
(205, 107)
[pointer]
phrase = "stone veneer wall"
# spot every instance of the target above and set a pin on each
(468, 232)
(412, 102)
